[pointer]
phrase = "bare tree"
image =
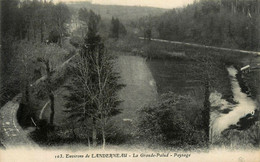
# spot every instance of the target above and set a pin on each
(93, 92)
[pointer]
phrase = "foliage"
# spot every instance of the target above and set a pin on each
(53, 36)
(27, 20)
(214, 22)
(93, 91)
(117, 28)
(240, 139)
(60, 17)
(76, 41)
(90, 21)
(84, 15)
(28, 69)
(166, 123)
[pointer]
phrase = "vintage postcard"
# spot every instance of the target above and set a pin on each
(130, 80)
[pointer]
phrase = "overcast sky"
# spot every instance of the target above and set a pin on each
(151, 3)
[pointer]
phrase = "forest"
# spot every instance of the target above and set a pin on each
(27, 21)
(211, 22)
(223, 23)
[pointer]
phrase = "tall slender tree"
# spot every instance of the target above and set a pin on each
(93, 90)
(211, 65)
(117, 28)
(61, 16)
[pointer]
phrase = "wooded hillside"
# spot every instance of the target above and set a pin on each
(226, 23)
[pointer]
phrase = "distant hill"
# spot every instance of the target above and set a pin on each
(124, 13)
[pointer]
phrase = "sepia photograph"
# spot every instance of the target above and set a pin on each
(130, 80)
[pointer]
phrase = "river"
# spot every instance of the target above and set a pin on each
(140, 88)
(221, 121)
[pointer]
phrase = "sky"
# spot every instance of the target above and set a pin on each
(150, 3)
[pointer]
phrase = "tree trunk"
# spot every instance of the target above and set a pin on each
(51, 97)
(103, 136)
(94, 133)
(257, 6)
(103, 131)
(206, 111)
(41, 32)
(50, 93)
(34, 34)
(28, 34)
(235, 9)
(74, 134)
(27, 93)
(20, 33)
(60, 41)
(88, 142)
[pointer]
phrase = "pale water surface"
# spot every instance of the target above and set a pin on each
(246, 105)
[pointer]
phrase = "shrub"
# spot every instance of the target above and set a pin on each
(76, 41)
(54, 36)
(165, 123)
(240, 139)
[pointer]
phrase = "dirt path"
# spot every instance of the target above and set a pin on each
(204, 46)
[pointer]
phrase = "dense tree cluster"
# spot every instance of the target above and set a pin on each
(117, 28)
(90, 21)
(31, 20)
(228, 23)
(85, 15)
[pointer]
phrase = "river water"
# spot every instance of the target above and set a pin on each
(221, 121)
(140, 88)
